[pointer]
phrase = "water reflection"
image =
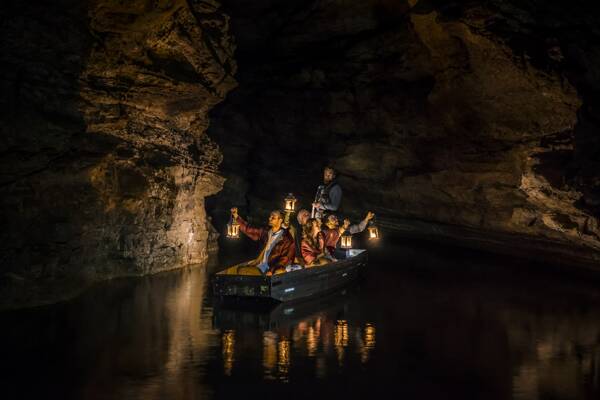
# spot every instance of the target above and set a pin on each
(561, 358)
(308, 333)
(340, 338)
(283, 359)
(401, 334)
(367, 343)
(269, 354)
(228, 351)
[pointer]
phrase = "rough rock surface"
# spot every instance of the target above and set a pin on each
(467, 120)
(105, 164)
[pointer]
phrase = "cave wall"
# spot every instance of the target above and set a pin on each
(105, 164)
(467, 120)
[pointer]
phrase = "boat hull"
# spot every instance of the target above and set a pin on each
(292, 285)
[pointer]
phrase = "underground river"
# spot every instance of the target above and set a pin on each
(428, 322)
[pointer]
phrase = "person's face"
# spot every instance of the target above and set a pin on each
(316, 226)
(333, 221)
(303, 217)
(319, 222)
(275, 219)
(328, 175)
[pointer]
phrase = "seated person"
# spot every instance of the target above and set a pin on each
(302, 217)
(361, 226)
(279, 249)
(296, 232)
(313, 244)
(332, 232)
(333, 229)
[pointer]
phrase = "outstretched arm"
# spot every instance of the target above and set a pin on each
(362, 225)
(250, 231)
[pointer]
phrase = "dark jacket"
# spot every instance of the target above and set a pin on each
(331, 197)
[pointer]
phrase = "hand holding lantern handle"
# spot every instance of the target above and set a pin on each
(234, 213)
(370, 215)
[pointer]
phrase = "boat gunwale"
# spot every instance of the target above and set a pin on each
(299, 272)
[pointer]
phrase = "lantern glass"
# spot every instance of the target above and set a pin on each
(346, 242)
(373, 232)
(233, 230)
(290, 203)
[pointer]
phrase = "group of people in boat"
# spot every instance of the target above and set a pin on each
(312, 241)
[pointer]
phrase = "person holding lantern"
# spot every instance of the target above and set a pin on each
(334, 231)
(279, 249)
(362, 225)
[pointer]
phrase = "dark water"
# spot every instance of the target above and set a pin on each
(427, 323)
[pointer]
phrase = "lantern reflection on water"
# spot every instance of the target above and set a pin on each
(228, 347)
(368, 342)
(290, 203)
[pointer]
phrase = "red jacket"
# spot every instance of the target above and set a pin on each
(331, 238)
(283, 252)
(309, 253)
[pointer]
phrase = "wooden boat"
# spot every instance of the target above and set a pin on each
(243, 281)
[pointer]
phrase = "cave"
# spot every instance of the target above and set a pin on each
(455, 121)
(470, 128)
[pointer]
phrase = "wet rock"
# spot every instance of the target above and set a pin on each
(105, 164)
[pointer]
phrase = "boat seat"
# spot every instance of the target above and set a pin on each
(248, 270)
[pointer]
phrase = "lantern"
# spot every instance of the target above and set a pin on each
(290, 203)
(373, 231)
(233, 229)
(346, 241)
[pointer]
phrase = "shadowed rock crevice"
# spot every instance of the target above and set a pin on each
(105, 163)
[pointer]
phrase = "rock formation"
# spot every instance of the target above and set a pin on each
(465, 120)
(105, 164)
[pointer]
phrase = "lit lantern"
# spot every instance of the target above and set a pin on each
(290, 203)
(346, 241)
(373, 231)
(233, 229)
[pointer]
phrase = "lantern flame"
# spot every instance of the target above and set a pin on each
(290, 203)
(233, 230)
(346, 242)
(373, 233)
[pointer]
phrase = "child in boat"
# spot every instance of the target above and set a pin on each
(313, 244)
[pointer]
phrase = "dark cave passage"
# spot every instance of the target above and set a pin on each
(130, 128)
(464, 122)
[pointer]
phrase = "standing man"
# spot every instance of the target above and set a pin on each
(329, 195)
(279, 248)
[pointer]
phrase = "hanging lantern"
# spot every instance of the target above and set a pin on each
(233, 229)
(373, 231)
(290, 203)
(346, 241)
